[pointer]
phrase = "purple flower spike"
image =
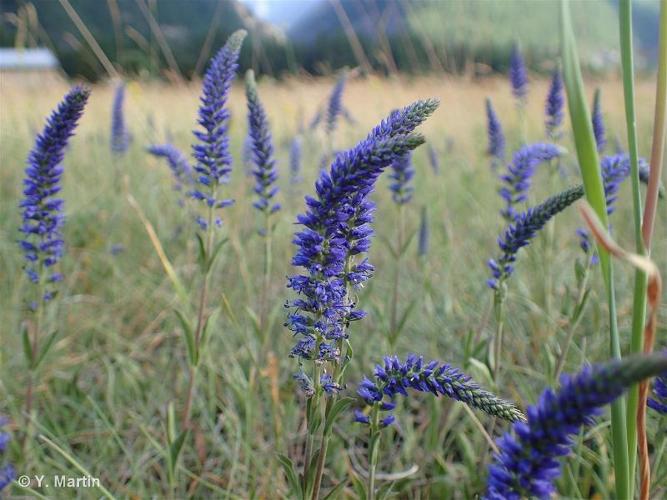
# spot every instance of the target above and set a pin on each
(211, 153)
(402, 173)
(518, 179)
(554, 107)
(120, 137)
(41, 210)
(395, 377)
(336, 228)
(526, 464)
(264, 170)
(598, 122)
(496, 148)
(518, 76)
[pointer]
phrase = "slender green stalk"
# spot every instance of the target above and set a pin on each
(639, 296)
(499, 314)
(659, 126)
(594, 189)
(574, 320)
(203, 297)
(393, 322)
(373, 449)
(268, 260)
(34, 349)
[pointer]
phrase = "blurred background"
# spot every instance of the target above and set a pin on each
(173, 39)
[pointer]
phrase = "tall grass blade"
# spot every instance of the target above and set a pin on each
(594, 189)
(639, 296)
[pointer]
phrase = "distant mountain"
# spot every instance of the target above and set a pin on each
(389, 35)
(414, 35)
(126, 37)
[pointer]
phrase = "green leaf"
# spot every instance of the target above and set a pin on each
(335, 490)
(27, 347)
(176, 447)
(201, 254)
(290, 472)
(255, 320)
(385, 490)
(214, 254)
(406, 244)
(405, 315)
(171, 424)
(338, 407)
(46, 348)
(188, 335)
(211, 320)
(314, 422)
(359, 487)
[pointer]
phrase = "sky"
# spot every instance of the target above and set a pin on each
(282, 13)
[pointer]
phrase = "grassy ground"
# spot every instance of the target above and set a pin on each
(119, 358)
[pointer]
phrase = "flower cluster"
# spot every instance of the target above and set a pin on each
(178, 164)
(265, 171)
(526, 464)
(614, 169)
(7, 472)
(598, 122)
(518, 76)
(496, 148)
(402, 173)
(524, 228)
(335, 105)
(659, 400)
(295, 160)
(337, 228)
(424, 234)
(396, 377)
(120, 137)
(42, 212)
(518, 179)
(433, 159)
(213, 160)
(554, 107)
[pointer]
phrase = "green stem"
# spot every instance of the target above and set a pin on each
(200, 323)
(639, 296)
(373, 448)
(574, 322)
(590, 170)
(34, 347)
(499, 313)
(393, 325)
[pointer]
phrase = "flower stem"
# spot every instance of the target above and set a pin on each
(393, 325)
(574, 321)
(373, 448)
(639, 296)
(499, 313)
(200, 323)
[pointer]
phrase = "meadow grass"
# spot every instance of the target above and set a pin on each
(119, 360)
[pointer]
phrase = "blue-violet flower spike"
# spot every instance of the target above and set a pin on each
(337, 227)
(496, 147)
(518, 76)
(264, 170)
(120, 137)
(598, 122)
(402, 172)
(518, 179)
(41, 211)
(7, 472)
(211, 153)
(524, 228)
(395, 377)
(554, 107)
(526, 464)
